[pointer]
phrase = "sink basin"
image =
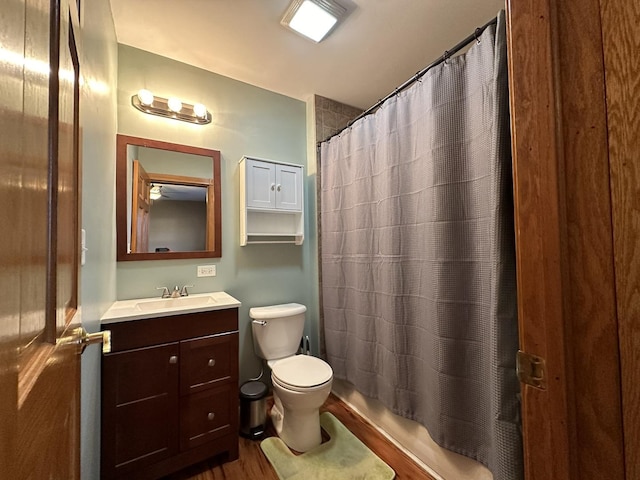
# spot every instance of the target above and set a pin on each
(140, 308)
(180, 302)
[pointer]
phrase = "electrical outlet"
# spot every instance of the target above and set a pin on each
(206, 271)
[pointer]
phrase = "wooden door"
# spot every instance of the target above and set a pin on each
(39, 376)
(140, 208)
(566, 277)
(621, 40)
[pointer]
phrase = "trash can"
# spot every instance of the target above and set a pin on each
(253, 409)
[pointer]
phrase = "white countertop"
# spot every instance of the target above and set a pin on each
(141, 308)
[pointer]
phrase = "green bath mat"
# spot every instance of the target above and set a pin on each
(342, 457)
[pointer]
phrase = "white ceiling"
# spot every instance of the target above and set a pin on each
(379, 45)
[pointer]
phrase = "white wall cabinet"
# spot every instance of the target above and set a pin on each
(272, 185)
(271, 202)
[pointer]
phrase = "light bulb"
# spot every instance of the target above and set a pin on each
(174, 104)
(155, 192)
(145, 97)
(200, 110)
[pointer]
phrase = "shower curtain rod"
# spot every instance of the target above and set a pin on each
(445, 56)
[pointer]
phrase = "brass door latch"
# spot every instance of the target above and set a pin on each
(80, 337)
(531, 369)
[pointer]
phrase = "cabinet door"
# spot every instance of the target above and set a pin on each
(208, 361)
(288, 187)
(261, 184)
(140, 410)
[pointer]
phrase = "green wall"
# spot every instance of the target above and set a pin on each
(246, 121)
(98, 67)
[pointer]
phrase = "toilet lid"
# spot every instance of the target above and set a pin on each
(303, 371)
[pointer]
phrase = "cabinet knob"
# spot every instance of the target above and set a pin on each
(173, 359)
(211, 362)
(273, 187)
(211, 416)
(279, 187)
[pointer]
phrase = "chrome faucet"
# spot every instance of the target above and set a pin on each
(165, 292)
(177, 292)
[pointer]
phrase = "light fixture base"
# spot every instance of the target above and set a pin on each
(160, 107)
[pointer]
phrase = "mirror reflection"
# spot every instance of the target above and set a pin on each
(177, 208)
(168, 201)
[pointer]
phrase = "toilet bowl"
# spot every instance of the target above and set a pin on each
(301, 383)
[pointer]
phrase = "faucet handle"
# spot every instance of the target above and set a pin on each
(184, 292)
(165, 291)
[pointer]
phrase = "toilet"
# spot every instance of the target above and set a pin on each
(301, 383)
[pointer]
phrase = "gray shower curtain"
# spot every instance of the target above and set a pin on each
(418, 257)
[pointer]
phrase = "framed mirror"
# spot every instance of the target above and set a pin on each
(167, 200)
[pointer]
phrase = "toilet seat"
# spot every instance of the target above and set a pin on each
(302, 373)
(294, 388)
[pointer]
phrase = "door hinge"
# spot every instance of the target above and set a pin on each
(531, 370)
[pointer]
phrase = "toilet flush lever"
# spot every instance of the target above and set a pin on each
(260, 322)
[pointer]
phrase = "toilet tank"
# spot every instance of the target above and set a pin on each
(277, 329)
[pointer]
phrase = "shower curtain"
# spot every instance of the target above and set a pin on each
(418, 256)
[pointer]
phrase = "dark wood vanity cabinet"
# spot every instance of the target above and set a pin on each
(169, 393)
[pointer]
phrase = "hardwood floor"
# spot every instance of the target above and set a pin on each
(252, 463)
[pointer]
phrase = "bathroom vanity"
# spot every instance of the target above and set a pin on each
(170, 385)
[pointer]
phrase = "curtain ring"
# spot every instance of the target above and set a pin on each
(417, 77)
(477, 34)
(445, 57)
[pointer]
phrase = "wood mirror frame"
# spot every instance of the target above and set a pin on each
(214, 220)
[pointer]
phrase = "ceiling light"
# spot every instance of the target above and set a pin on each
(313, 18)
(155, 193)
(173, 108)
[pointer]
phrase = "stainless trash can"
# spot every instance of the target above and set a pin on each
(253, 409)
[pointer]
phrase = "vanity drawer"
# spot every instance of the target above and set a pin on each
(208, 362)
(152, 331)
(207, 415)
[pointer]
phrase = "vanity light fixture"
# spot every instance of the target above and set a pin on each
(147, 102)
(313, 18)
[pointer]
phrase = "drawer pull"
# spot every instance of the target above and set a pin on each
(173, 359)
(211, 416)
(211, 362)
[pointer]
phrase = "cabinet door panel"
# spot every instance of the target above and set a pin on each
(261, 181)
(288, 187)
(143, 431)
(208, 361)
(206, 416)
(140, 405)
(145, 373)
